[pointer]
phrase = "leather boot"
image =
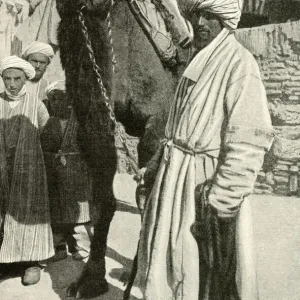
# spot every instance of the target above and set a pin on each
(31, 275)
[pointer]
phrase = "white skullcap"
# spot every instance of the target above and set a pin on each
(21, 2)
(16, 62)
(56, 85)
(9, 2)
(38, 47)
(229, 11)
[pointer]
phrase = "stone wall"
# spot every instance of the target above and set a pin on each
(277, 51)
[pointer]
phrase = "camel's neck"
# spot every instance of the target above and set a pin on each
(74, 37)
(66, 8)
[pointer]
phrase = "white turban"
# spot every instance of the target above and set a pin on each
(38, 47)
(16, 62)
(56, 85)
(21, 2)
(229, 11)
(9, 2)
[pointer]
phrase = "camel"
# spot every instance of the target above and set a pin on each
(140, 91)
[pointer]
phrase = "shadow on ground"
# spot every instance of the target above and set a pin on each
(125, 207)
(10, 271)
(63, 273)
(121, 274)
(114, 293)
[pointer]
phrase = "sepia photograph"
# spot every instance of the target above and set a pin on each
(150, 149)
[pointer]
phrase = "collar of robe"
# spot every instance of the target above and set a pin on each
(19, 96)
(198, 63)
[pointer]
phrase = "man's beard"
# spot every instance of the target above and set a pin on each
(38, 76)
(202, 39)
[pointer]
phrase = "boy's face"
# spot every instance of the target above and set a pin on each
(59, 104)
(14, 80)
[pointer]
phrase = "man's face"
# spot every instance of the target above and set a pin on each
(40, 62)
(206, 27)
(9, 7)
(14, 80)
(19, 7)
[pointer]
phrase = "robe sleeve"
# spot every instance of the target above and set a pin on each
(248, 134)
(43, 115)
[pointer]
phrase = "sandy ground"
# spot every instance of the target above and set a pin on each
(277, 237)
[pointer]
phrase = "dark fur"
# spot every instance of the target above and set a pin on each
(142, 91)
(143, 88)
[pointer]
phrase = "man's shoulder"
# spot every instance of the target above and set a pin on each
(245, 62)
(44, 83)
(245, 54)
(242, 54)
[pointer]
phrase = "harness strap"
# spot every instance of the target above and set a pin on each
(161, 41)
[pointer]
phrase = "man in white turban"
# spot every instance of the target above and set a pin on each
(9, 5)
(195, 240)
(25, 231)
(39, 55)
(7, 28)
(22, 8)
(228, 11)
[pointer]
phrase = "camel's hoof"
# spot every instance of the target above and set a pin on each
(87, 288)
(125, 277)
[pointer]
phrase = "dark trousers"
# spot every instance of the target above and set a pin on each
(217, 281)
(76, 236)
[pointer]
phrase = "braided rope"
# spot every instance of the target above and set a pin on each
(166, 15)
(97, 70)
(110, 39)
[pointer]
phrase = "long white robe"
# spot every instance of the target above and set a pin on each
(7, 31)
(218, 128)
(37, 89)
(42, 24)
(24, 202)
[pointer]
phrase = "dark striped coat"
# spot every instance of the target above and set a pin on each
(69, 181)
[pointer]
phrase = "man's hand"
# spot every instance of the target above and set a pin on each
(203, 211)
(139, 176)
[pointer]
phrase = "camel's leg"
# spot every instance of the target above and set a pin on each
(102, 161)
(92, 282)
